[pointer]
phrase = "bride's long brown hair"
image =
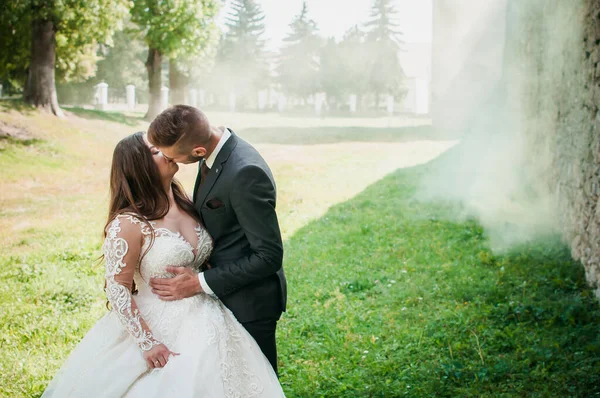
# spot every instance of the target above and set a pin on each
(136, 187)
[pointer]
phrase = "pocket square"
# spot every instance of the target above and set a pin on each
(214, 203)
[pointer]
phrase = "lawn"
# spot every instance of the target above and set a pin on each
(388, 295)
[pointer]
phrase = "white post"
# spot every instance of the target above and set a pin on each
(390, 104)
(273, 95)
(101, 95)
(193, 97)
(281, 103)
(262, 100)
(353, 101)
(0, 90)
(232, 99)
(422, 93)
(319, 101)
(164, 98)
(130, 96)
(202, 98)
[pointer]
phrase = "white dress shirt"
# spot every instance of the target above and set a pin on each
(210, 161)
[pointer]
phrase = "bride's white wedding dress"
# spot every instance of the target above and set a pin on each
(218, 358)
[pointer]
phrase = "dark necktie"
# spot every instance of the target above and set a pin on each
(204, 169)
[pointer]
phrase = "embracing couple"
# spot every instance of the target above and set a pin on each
(195, 287)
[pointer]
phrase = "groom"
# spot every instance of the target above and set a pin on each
(235, 197)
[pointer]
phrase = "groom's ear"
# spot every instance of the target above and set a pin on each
(199, 152)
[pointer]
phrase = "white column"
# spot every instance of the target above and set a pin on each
(202, 99)
(164, 98)
(319, 101)
(422, 93)
(352, 102)
(262, 100)
(130, 96)
(390, 104)
(273, 95)
(193, 97)
(101, 95)
(281, 103)
(232, 99)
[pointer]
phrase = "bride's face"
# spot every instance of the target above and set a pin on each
(166, 168)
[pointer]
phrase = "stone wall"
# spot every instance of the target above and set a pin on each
(542, 113)
(552, 76)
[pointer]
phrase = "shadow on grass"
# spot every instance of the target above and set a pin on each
(116, 117)
(17, 104)
(330, 135)
(18, 142)
(391, 295)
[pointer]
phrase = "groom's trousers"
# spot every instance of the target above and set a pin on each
(263, 332)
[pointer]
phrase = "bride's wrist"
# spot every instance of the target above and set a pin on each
(149, 344)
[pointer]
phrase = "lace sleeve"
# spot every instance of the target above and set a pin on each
(121, 249)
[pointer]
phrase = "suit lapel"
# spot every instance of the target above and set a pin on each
(215, 171)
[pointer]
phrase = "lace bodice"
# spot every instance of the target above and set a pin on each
(127, 239)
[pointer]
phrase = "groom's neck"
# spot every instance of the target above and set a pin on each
(216, 134)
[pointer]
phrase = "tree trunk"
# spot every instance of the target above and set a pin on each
(177, 83)
(154, 67)
(40, 90)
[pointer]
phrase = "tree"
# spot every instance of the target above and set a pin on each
(172, 29)
(15, 51)
(298, 67)
(191, 67)
(332, 74)
(344, 66)
(384, 41)
(241, 56)
(55, 39)
(355, 55)
(245, 45)
(122, 63)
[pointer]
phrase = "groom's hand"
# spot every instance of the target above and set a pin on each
(184, 284)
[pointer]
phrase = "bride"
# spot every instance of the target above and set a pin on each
(147, 347)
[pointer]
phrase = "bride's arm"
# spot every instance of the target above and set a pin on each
(122, 248)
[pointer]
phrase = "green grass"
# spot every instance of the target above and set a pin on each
(390, 298)
(290, 135)
(16, 104)
(117, 117)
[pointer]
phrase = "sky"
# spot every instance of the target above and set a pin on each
(334, 17)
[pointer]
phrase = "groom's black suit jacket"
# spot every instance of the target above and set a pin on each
(237, 204)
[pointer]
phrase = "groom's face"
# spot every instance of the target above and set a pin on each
(181, 155)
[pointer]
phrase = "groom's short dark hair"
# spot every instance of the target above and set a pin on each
(179, 124)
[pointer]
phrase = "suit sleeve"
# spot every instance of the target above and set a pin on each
(253, 202)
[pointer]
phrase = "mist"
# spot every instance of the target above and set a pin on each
(490, 84)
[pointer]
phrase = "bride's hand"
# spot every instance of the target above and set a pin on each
(158, 356)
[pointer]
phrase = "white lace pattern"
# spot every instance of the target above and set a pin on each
(218, 357)
(119, 296)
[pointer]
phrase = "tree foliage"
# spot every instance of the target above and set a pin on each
(241, 63)
(176, 30)
(298, 67)
(384, 42)
(80, 25)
